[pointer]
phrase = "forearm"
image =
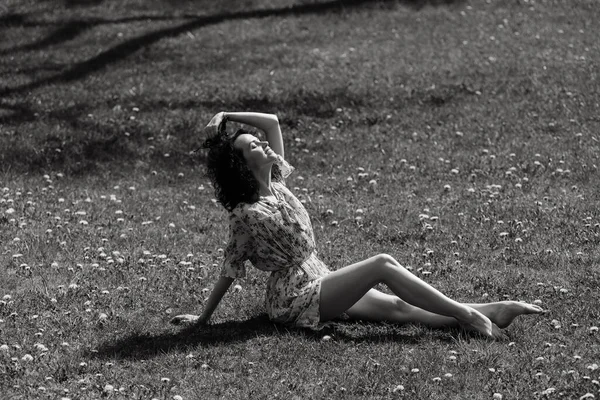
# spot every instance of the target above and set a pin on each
(258, 120)
(215, 297)
(269, 123)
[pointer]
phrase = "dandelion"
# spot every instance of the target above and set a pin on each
(397, 388)
(177, 397)
(415, 370)
(448, 375)
(503, 234)
(40, 347)
(593, 329)
(497, 396)
(108, 388)
(4, 348)
(437, 379)
(27, 358)
(326, 338)
(237, 288)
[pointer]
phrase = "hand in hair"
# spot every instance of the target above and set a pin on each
(216, 124)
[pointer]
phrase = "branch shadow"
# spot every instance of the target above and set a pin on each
(82, 69)
(138, 346)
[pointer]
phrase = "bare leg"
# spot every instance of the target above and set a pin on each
(378, 306)
(341, 289)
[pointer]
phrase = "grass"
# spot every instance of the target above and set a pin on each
(478, 121)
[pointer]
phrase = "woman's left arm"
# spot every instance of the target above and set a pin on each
(268, 123)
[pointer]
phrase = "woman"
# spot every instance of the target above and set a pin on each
(271, 228)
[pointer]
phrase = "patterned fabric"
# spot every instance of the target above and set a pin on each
(275, 235)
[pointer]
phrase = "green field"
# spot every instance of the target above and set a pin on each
(461, 137)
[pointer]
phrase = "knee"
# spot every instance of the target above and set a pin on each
(385, 259)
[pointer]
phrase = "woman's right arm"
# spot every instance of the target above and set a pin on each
(268, 123)
(214, 299)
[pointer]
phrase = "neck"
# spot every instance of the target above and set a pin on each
(263, 176)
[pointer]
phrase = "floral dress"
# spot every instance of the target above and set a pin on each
(275, 235)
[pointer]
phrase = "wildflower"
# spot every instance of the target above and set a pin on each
(108, 388)
(437, 379)
(398, 388)
(497, 396)
(447, 375)
(326, 338)
(27, 358)
(40, 347)
(237, 288)
(414, 370)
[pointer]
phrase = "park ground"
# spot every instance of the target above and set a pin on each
(461, 137)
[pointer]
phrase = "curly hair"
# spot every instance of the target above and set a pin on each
(228, 172)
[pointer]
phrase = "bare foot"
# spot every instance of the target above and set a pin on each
(478, 322)
(184, 319)
(503, 313)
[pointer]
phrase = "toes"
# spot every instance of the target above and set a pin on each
(536, 309)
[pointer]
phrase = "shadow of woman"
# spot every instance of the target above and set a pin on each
(138, 346)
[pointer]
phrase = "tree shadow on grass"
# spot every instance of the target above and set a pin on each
(139, 346)
(114, 54)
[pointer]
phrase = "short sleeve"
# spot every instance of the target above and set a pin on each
(284, 170)
(238, 249)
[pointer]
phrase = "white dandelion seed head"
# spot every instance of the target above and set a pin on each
(398, 388)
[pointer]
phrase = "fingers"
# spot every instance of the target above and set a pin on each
(183, 319)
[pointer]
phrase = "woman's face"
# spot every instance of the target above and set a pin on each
(256, 153)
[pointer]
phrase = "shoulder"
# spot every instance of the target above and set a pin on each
(281, 188)
(249, 212)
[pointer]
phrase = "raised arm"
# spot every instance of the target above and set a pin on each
(268, 123)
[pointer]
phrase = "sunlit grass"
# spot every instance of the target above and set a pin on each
(461, 138)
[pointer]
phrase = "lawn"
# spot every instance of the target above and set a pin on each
(461, 137)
